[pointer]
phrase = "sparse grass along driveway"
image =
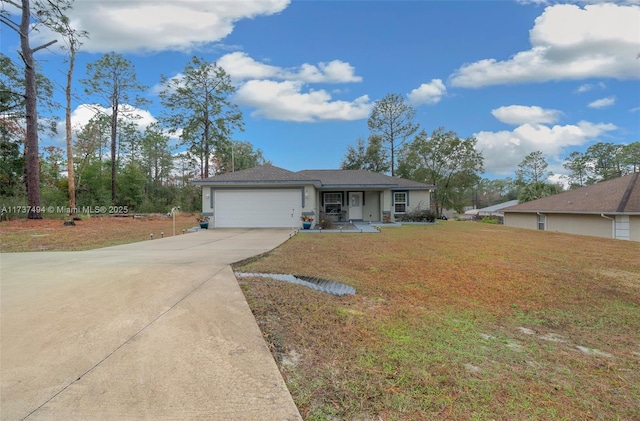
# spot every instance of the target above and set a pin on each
(456, 321)
(20, 235)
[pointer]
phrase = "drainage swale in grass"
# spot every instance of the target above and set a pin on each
(318, 284)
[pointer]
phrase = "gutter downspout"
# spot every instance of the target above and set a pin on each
(613, 224)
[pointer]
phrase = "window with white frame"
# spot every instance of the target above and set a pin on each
(333, 202)
(542, 219)
(400, 202)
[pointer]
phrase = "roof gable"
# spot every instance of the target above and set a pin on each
(620, 195)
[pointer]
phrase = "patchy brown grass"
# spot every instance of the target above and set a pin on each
(101, 231)
(456, 321)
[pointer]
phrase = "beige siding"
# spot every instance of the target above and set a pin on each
(592, 225)
(419, 200)
(521, 220)
(311, 200)
(387, 199)
(371, 209)
(634, 228)
(207, 200)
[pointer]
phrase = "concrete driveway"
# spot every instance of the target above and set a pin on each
(152, 330)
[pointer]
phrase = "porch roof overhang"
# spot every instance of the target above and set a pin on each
(347, 186)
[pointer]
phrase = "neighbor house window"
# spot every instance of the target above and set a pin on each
(400, 202)
(333, 202)
(542, 219)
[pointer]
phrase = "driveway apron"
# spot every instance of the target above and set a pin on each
(152, 330)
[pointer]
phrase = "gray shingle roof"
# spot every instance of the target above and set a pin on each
(269, 174)
(362, 178)
(620, 195)
(261, 174)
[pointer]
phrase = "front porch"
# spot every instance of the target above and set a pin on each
(335, 206)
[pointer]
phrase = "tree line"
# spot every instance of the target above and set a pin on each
(110, 159)
(397, 145)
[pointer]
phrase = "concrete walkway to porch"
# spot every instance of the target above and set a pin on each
(360, 227)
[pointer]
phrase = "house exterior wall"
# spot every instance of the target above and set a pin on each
(634, 227)
(375, 201)
(419, 200)
(592, 225)
(521, 220)
(207, 201)
(371, 209)
(387, 202)
(311, 203)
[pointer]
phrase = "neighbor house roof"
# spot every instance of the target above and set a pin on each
(492, 209)
(618, 196)
(269, 174)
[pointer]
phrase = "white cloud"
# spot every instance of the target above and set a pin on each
(568, 42)
(146, 25)
(549, 2)
(427, 93)
(521, 114)
(242, 67)
(504, 150)
(335, 71)
(590, 86)
(280, 93)
(83, 113)
(602, 102)
(285, 101)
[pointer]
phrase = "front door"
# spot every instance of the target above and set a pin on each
(355, 205)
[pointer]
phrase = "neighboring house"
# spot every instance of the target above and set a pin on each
(609, 209)
(268, 197)
(495, 210)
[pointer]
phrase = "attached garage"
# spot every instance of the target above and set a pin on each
(257, 208)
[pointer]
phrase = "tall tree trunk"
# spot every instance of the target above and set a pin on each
(31, 142)
(207, 151)
(70, 172)
(114, 130)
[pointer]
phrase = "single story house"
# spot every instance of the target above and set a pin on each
(269, 197)
(609, 209)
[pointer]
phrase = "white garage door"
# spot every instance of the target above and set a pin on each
(267, 208)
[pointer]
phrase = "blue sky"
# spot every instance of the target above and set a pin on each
(519, 76)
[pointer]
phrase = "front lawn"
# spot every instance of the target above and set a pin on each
(459, 321)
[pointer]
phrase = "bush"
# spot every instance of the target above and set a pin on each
(418, 215)
(324, 221)
(491, 220)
